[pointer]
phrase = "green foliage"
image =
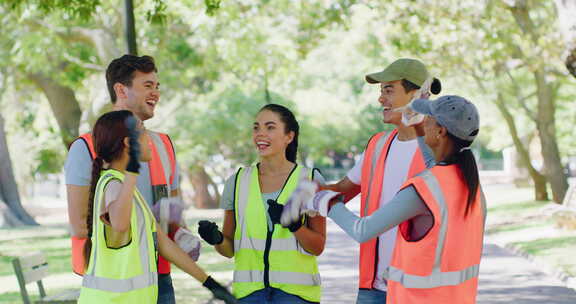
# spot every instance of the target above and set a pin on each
(218, 59)
(49, 161)
(74, 8)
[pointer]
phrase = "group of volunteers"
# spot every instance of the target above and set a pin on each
(422, 209)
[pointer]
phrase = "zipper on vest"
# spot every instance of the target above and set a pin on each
(269, 234)
(267, 257)
(375, 262)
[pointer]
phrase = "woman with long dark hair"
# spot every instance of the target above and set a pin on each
(123, 237)
(440, 212)
(273, 263)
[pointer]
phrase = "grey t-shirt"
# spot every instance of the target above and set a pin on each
(227, 199)
(78, 171)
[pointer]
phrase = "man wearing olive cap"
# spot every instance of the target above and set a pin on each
(389, 160)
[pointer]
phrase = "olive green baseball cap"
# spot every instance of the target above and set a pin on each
(412, 70)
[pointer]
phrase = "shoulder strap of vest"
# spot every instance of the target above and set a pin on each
(87, 139)
(236, 181)
(170, 148)
(165, 151)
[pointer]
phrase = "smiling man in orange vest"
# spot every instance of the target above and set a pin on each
(133, 85)
(388, 161)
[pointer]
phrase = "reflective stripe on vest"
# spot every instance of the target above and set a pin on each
(117, 270)
(291, 268)
(372, 181)
(279, 277)
(404, 265)
(161, 166)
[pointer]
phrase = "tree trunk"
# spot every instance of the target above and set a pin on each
(540, 192)
(545, 116)
(11, 211)
(566, 10)
(201, 183)
(130, 27)
(64, 105)
(546, 125)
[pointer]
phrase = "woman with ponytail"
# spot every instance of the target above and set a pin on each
(123, 237)
(273, 263)
(440, 213)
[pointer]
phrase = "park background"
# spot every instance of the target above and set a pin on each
(220, 61)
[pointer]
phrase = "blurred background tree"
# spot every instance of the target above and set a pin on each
(219, 62)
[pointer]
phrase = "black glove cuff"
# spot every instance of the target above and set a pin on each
(220, 238)
(295, 226)
(210, 283)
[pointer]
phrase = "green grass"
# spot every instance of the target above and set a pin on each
(513, 216)
(518, 226)
(541, 246)
(55, 248)
(558, 251)
(55, 244)
(15, 297)
(515, 208)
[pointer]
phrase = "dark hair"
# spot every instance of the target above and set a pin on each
(108, 138)
(290, 123)
(122, 70)
(435, 86)
(467, 163)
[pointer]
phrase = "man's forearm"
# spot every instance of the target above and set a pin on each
(77, 198)
(345, 186)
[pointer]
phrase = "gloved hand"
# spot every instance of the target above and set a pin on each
(168, 212)
(219, 291)
(304, 201)
(133, 140)
(293, 208)
(210, 233)
(188, 242)
(275, 212)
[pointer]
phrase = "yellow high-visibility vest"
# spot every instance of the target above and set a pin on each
(269, 258)
(127, 274)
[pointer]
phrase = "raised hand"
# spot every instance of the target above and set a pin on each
(297, 202)
(133, 140)
(275, 212)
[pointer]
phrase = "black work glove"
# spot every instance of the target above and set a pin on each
(219, 291)
(275, 212)
(210, 233)
(134, 151)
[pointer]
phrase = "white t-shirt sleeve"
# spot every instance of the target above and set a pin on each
(111, 193)
(355, 174)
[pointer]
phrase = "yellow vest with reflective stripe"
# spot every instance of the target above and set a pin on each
(127, 274)
(274, 257)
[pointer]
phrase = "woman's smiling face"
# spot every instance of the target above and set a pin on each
(269, 135)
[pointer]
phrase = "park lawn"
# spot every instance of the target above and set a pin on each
(515, 220)
(54, 242)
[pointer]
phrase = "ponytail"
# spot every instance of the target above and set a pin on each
(466, 161)
(96, 168)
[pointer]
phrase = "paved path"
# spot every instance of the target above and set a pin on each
(504, 277)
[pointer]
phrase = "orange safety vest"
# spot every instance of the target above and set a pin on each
(371, 190)
(443, 266)
(162, 164)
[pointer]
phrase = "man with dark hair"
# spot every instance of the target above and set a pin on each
(133, 85)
